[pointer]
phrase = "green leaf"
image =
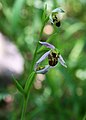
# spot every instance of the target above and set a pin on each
(19, 87)
(44, 13)
(75, 52)
(73, 29)
(84, 118)
(16, 12)
(29, 82)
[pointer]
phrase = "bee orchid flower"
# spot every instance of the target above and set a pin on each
(56, 16)
(53, 56)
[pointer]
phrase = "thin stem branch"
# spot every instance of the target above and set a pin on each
(37, 48)
(24, 109)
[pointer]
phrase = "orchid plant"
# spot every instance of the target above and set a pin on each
(53, 56)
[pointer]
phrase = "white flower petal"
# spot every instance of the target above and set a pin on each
(48, 45)
(51, 19)
(43, 57)
(57, 10)
(61, 60)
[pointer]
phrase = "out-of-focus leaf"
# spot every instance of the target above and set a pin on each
(19, 87)
(16, 12)
(72, 29)
(84, 118)
(3, 95)
(76, 51)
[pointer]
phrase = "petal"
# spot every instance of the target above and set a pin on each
(48, 45)
(51, 19)
(61, 60)
(57, 10)
(43, 57)
(44, 70)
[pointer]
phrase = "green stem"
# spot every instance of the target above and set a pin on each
(37, 47)
(34, 56)
(31, 81)
(24, 109)
(26, 97)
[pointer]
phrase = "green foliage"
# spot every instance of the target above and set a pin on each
(16, 11)
(18, 86)
(29, 82)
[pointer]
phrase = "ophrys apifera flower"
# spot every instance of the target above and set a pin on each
(53, 56)
(56, 16)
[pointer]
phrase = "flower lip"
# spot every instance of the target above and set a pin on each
(58, 24)
(53, 58)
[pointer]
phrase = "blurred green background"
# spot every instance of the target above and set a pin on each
(61, 93)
